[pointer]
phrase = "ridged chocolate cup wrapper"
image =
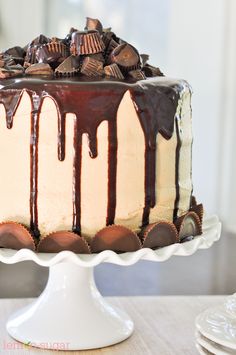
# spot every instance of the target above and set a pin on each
(160, 234)
(92, 67)
(69, 67)
(113, 71)
(137, 74)
(52, 52)
(117, 238)
(126, 56)
(39, 69)
(86, 42)
(189, 225)
(93, 24)
(15, 236)
(56, 242)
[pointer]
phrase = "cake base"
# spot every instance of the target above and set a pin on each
(70, 314)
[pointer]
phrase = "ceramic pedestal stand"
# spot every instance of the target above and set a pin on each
(71, 314)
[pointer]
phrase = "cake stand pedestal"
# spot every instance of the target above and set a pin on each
(71, 314)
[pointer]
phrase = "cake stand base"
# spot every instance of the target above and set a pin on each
(70, 314)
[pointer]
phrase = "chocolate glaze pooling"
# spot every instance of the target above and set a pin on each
(94, 101)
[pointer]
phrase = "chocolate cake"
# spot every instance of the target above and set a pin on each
(95, 148)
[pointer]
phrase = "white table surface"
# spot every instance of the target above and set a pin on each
(163, 326)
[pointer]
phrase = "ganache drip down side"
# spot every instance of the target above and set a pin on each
(155, 102)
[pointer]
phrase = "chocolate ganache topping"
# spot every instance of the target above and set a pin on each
(87, 73)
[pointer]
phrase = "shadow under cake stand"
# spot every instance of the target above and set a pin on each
(71, 314)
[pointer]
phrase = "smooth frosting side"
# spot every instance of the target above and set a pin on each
(145, 109)
(15, 165)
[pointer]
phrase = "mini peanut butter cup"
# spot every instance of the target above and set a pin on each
(39, 69)
(93, 24)
(113, 71)
(188, 225)
(69, 67)
(92, 67)
(63, 240)
(54, 51)
(15, 236)
(86, 42)
(126, 56)
(137, 74)
(160, 234)
(151, 71)
(7, 72)
(117, 238)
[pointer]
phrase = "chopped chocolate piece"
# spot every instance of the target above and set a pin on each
(15, 236)
(52, 52)
(144, 59)
(92, 67)
(151, 71)
(137, 74)
(41, 39)
(116, 238)
(8, 73)
(86, 42)
(16, 52)
(18, 68)
(69, 67)
(63, 240)
(113, 71)
(126, 56)
(39, 69)
(188, 225)
(94, 24)
(159, 235)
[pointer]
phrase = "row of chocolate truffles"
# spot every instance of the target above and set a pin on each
(94, 52)
(115, 237)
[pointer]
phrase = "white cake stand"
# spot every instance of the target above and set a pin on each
(71, 314)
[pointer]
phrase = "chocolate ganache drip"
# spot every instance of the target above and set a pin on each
(94, 99)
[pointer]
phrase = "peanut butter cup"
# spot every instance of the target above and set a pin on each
(86, 42)
(63, 240)
(116, 238)
(126, 56)
(113, 71)
(160, 234)
(93, 24)
(15, 236)
(188, 225)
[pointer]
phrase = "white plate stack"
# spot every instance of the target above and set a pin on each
(216, 329)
